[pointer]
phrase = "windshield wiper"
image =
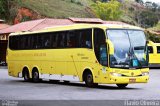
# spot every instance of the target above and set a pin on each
(139, 48)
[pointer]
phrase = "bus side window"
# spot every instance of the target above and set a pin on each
(47, 41)
(27, 42)
(71, 39)
(158, 49)
(13, 42)
(150, 49)
(54, 40)
(86, 38)
(34, 42)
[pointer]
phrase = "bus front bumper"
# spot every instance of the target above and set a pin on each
(128, 80)
(154, 65)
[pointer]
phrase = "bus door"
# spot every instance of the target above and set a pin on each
(101, 53)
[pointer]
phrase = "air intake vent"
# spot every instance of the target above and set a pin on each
(87, 20)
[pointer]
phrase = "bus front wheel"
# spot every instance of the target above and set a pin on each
(89, 79)
(35, 76)
(121, 85)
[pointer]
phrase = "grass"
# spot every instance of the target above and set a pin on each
(58, 8)
(156, 28)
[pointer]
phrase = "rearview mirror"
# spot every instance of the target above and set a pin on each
(111, 46)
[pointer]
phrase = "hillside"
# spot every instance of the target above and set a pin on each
(57, 8)
(131, 12)
(156, 28)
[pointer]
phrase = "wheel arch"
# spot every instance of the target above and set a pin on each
(36, 68)
(26, 68)
(86, 70)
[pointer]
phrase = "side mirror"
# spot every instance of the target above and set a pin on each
(111, 46)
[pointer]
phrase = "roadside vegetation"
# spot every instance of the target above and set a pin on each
(135, 12)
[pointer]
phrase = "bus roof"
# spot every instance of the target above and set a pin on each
(80, 26)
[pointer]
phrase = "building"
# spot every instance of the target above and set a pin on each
(35, 25)
(3, 41)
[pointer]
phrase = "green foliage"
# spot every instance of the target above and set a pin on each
(139, 1)
(153, 37)
(76, 2)
(148, 19)
(58, 8)
(26, 18)
(100, 0)
(108, 10)
(4, 9)
(155, 28)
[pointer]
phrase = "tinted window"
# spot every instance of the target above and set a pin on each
(63, 39)
(73, 39)
(13, 42)
(158, 49)
(86, 38)
(150, 49)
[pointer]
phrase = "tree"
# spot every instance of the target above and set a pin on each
(154, 6)
(108, 10)
(4, 9)
(139, 1)
(147, 19)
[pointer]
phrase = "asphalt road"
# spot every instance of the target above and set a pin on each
(16, 89)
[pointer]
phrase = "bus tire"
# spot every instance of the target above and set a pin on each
(26, 75)
(88, 78)
(121, 85)
(66, 82)
(54, 81)
(35, 76)
(95, 84)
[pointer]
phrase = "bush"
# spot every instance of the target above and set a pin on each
(4, 9)
(107, 10)
(153, 37)
(148, 19)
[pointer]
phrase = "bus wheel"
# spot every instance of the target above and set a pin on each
(26, 75)
(54, 81)
(66, 82)
(35, 76)
(89, 79)
(121, 85)
(95, 84)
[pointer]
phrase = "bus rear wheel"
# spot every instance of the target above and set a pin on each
(35, 76)
(26, 76)
(89, 79)
(122, 85)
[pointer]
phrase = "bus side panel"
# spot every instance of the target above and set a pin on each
(14, 64)
(88, 61)
(60, 63)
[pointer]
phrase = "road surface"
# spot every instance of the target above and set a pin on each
(16, 89)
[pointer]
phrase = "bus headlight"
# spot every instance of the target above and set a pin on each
(145, 73)
(115, 74)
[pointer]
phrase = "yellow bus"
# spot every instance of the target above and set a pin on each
(154, 54)
(93, 53)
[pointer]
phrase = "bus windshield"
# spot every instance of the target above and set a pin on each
(130, 50)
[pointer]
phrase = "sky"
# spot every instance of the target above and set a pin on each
(156, 1)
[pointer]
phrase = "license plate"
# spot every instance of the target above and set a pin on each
(132, 80)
